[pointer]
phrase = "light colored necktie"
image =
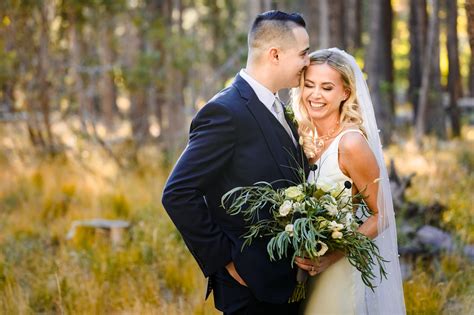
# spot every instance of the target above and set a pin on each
(280, 114)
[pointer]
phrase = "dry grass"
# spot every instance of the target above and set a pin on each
(42, 272)
(444, 174)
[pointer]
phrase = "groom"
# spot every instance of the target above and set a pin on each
(238, 138)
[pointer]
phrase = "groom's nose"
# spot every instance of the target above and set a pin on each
(306, 60)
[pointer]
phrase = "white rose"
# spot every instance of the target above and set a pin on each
(323, 248)
(289, 229)
(332, 209)
(298, 207)
(336, 234)
(295, 193)
(333, 225)
(326, 184)
(285, 208)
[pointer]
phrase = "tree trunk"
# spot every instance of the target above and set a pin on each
(175, 132)
(107, 89)
(7, 96)
(353, 23)
(470, 31)
(454, 76)
(138, 104)
(431, 121)
(418, 28)
(253, 9)
(336, 24)
(163, 9)
(379, 66)
(43, 77)
(436, 117)
(267, 5)
(324, 25)
(76, 50)
(313, 25)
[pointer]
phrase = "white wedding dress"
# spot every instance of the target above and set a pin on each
(339, 289)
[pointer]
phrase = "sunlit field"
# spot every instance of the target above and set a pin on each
(150, 271)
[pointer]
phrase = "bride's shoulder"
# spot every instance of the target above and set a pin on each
(352, 140)
(355, 154)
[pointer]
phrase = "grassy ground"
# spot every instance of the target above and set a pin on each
(444, 174)
(152, 272)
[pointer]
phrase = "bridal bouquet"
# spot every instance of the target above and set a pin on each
(307, 220)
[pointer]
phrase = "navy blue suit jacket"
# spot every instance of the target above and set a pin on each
(234, 141)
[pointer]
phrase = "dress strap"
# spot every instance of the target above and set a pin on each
(339, 136)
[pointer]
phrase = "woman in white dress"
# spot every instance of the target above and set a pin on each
(337, 125)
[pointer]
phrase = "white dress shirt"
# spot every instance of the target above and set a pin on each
(264, 95)
(268, 99)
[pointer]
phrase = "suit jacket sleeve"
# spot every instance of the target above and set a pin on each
(210, 147)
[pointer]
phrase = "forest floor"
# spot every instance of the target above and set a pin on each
(150, 271)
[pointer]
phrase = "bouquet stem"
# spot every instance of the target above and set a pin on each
(299, 292)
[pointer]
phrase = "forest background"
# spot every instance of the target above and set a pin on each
(96, 97)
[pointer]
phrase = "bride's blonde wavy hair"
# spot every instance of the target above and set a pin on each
(349, 109)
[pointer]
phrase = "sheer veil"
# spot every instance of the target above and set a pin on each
(388, 296)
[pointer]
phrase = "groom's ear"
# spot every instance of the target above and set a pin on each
(274, 55)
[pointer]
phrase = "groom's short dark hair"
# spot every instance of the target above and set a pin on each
(276, 15)
(273, 25)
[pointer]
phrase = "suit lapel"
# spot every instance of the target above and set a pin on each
(277, 148)
(284, 158)
(301, 158)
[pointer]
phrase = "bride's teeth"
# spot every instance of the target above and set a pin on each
(316, 105)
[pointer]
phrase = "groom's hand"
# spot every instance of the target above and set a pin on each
(233, 272)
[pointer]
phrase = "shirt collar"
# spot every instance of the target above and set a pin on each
(264, 95)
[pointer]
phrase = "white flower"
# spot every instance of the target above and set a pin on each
(326, 184)
(345, 203)
(349, 219)
(333, 225)
(295, 193)
(323, 223)
(336, 234)
(289, 229)
(332, 209)
(322, 250)
(337, 189)
(298, 207)
(285, 208)
(329, 199)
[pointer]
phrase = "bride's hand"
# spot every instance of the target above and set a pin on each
(317, 266)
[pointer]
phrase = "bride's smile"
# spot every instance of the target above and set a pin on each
(316, 104)
(323, 92)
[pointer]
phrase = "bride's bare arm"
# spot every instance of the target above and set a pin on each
(357, 161)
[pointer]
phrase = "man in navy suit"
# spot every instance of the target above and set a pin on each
(238, 139)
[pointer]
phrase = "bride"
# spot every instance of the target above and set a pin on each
(337, 125)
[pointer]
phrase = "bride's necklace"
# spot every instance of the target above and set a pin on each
(321, 141)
